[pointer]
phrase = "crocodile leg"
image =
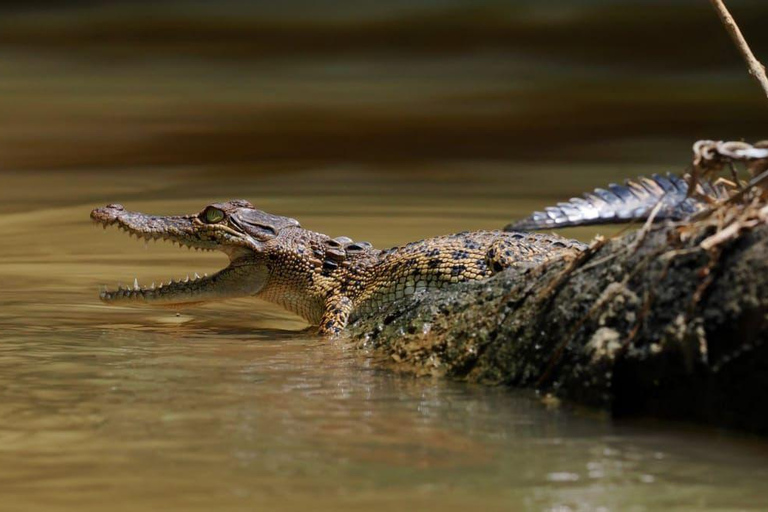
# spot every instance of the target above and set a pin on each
(334, 320)
(510, 252)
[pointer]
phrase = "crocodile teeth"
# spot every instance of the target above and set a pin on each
(136, 284)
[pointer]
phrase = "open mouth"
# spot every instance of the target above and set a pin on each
(184, 231)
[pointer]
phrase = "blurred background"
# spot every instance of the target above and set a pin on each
(271, 86)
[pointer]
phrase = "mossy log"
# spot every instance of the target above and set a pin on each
(669, 321)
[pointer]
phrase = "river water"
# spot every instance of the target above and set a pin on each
(236, 406)
(382, 121)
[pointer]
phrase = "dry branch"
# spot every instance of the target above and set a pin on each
(756, 69)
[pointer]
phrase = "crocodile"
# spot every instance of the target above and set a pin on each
(332, 281)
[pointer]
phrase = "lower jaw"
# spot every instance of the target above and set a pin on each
(133, 297)
(228, 283)
(174, 293)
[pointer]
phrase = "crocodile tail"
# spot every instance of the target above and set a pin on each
(624, 203)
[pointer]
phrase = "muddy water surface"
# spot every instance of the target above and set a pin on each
(236, 406)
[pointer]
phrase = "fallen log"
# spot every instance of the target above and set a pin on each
(669, 321)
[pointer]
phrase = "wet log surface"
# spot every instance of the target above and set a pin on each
(669, 322)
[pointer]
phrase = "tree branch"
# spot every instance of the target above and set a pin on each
(756, 69)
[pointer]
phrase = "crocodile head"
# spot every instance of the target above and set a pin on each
(235, 228)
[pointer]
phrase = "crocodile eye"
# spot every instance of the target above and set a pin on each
(213, 215)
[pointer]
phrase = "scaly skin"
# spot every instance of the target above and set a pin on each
(326, 281)
(666, 196)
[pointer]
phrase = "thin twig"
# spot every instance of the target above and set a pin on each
(757, 180)
(756, 69)
(630, 247)
(647, 226)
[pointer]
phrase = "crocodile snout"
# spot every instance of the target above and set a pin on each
(108, 213)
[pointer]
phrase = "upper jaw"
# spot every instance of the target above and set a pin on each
(179, 229)
(185, 230)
